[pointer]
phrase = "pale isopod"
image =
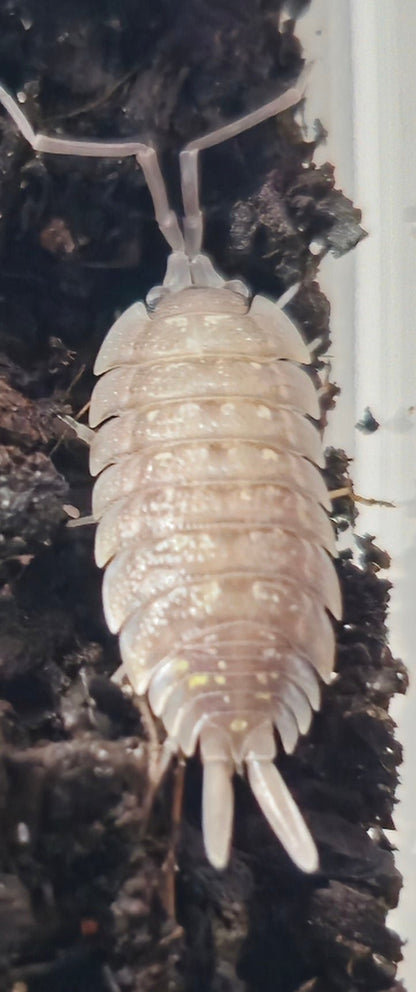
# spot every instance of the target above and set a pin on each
(211, 510)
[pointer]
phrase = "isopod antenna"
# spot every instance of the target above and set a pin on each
(193, 218)
(145, 155)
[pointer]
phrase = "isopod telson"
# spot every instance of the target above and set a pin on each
(211, 509)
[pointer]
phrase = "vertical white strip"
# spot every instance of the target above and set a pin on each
(383, 44)
(365, 96)
(326, 36)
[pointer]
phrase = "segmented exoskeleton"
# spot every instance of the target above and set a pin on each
(212, 511)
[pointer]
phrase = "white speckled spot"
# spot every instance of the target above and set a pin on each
(182, 542)
(270, 653)
(189, 410)
(163, 456)
(222, 665)
(264, 412)
(178, 321)
(23, 837)
(269, 455)
(227, 408)
(206, 595)
(151, 415)
(255, 365)
(245, 495)
(206, 542)
(259, 592)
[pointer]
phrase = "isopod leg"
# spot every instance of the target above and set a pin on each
(83, 432)
(193, 220)
(356, 498)
(158, 770)
(160, 757)
(145, 155)
(169, 864)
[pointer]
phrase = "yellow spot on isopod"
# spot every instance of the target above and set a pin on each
(151, 415)
(264, 412)
(263, 695)
(237, 726)
(255, 365)
(269, 455)
(262, 678)
(245, 495)
(195, 681)
(220, 679)
(181, 665)
(222, 665)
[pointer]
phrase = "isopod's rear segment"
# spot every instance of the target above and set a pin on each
(213, 526)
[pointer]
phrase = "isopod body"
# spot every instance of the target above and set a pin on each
(211, 507)
(215, 536)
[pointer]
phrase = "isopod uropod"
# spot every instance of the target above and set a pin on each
(211, 509)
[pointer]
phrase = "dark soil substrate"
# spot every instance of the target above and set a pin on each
(83, 884)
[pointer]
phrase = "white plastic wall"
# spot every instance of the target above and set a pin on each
(363, 89)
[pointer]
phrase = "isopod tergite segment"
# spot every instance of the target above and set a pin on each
(211, 509)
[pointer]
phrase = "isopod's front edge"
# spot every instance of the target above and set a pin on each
(213, 528)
